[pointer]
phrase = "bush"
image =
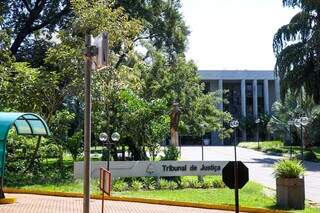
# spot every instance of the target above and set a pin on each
(195, 184)
(164, 184)
(170, 153)
(288, 169)
(218, 183)
(184, 184)
(120, 185)
(136, 185)
(206, 184)
(149, 183)
(173, 185)
(309, 155)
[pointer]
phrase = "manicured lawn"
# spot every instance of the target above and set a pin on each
(277, 147)
(251, 195)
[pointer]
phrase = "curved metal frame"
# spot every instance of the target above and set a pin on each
(7, 120)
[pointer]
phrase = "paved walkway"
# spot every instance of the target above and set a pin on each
(259, 164)
(47, 204)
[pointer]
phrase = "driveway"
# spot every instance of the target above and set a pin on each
(259, 164)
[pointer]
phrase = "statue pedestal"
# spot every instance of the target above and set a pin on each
(174, 138)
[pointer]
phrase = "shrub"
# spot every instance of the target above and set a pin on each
(149, 183)
(288, 169)
(184, 184)
(206, 184)
(170, 153)
(164, 184)
(195, 184)
(309, 155)
(173, 185)
(136, 185)
(120, 185)
(218, 183)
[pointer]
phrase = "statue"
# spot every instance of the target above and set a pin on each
(175, 117)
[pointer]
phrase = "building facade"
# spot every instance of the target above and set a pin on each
(249, 93)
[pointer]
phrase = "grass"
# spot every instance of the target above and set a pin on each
(251, 195)
(278, 147)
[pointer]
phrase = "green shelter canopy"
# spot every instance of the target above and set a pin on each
(25, 124)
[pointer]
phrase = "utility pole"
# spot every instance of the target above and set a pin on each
(87, 124)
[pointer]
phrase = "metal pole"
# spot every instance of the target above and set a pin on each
(202, 156)
(258, 135)
(87, 125)
(290, 137)
(108, 162)
(301, 133)
(236, 182)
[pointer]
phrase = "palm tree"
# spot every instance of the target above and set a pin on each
(295, 106)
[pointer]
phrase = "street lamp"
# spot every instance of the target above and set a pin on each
(290, 123)
(115, 137)
(234, 124)
(202, 133)
(300, 123)
(257, 122)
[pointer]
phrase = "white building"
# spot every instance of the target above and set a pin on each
(251, 92)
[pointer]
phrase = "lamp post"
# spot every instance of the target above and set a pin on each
(234, 125)
(202, 133)
(300, 123)
(290, 123)
(257, 122)
(304, 122)
(115, 137)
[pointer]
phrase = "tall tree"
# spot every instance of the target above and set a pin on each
(297, 49)
(27, 17)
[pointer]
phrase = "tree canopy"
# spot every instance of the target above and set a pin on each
(297, 49)
(147, 71)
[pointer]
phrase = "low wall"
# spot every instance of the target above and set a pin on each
(153, 168)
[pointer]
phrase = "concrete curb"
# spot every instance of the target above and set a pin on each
(143, 200)
(9, 200)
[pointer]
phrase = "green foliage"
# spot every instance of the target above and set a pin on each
(288, 169)
(218, 183)
(297, 51)
(170, 153)
(136, 185)
(75, 144)
(26, 18)
(293, 107)
(164, 26)
(172, 185)
(206, 184)
(184, 183)
(309, 155)
(149, 183)
(120, 185)
(194, 183)
(164, 184)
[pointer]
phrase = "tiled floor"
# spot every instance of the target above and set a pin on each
(47, 204)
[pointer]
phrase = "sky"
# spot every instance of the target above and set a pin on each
(234, 34)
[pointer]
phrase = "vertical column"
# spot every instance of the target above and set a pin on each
(243, 106)
(221, 90)
(243, 98)
(220, 86)
(266, 96)
(277, 88)
(255, 99)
